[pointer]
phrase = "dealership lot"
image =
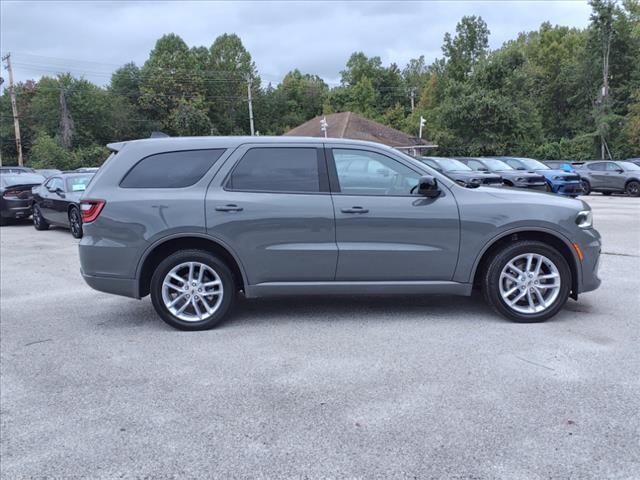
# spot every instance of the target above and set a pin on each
(428, 387)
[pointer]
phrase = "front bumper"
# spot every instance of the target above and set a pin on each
(591, 247)
(541, 186)
(571, 189)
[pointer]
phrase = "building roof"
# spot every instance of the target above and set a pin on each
(353, 126)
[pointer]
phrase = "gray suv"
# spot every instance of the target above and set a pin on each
(610, 177)
(194, 221)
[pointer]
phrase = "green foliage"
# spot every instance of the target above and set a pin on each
(46, 152)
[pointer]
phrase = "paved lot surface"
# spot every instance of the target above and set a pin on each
(433, 387)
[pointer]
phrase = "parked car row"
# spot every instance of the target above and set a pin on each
(52, 199)
(557, 176)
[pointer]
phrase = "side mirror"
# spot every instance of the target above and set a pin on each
(59, 192)
(483, 169)
(428, 187)
(619, 170)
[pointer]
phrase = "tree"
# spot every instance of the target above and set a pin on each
(168, 78)
(467, 48)
(230, 69)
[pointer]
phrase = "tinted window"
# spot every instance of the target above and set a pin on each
(368, 173)
(171, 169)
(599, 167)
(277, 170)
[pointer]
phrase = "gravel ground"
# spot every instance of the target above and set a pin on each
(94, 385)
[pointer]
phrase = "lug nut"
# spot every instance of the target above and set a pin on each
(196, 297)
(188, 295)
(200, 290)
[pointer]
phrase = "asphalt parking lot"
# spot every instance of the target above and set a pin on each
(94, 385)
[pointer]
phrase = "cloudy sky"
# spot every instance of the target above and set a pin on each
(94, 38)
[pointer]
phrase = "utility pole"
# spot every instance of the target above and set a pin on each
(605, 90)
(14, 108)
(249, 82)
(413, 97)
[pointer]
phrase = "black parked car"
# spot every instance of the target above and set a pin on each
(460, 172)
(15, 194)
(16, 169)
(48, 172)
(57, 202)
(510, 176)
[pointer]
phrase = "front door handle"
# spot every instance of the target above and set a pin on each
(355, 210)
(228, 208)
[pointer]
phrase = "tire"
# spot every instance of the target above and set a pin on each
(586, 187)
(633, 189)
(75, 222)
(215, 270)
(493, 285)
(39, 223)
(606, 194)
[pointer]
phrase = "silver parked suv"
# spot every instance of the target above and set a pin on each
(193, 221)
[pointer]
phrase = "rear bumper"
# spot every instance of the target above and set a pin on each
(16, 208)
(127, 287)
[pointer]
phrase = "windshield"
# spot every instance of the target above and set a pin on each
(78, 183)
(450, 164)
(532, 164)
(629, 166)
(494, 164)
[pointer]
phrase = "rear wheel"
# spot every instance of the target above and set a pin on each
(527, 281)
(633, 189)
(75, 222)
(192, 290)
(39, 222)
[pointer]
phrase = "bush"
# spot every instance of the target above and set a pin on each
(46, 152)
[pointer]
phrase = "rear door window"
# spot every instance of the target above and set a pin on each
(598, 167)
(171, 169)
(288, 169)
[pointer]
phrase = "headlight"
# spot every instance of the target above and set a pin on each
(558, 178)
(584, 219)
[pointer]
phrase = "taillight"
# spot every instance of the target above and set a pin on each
(91, 209)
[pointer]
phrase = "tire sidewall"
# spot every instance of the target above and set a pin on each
(228, 285)
(628, 189)
(39, 223)
(492, 280)
(73, 210)
(586, 187)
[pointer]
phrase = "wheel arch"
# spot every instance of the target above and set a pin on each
(166, 246)
(560, 243)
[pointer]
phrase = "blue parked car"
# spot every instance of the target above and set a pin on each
(563, 181)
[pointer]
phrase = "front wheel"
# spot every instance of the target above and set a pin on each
(586, 187)
(633, 189)
(527, 281)
(75, 222)
(39, 223)
(192, 290)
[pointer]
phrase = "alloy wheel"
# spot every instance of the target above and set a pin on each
(74, 220)
(529, 283)
(192, 291)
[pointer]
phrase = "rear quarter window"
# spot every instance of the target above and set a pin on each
(171, 169)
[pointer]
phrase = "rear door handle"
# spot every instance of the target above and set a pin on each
(228, 208)
(355, 210)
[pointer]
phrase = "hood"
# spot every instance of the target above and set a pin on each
(536, 197)
(550, 174)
